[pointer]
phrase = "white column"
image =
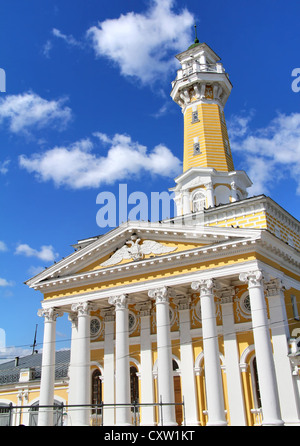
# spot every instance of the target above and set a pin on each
(45, 417)
(81, 417)
(72, 367)
(212, 368)
(109, 368)
(263, 349)
(186, 205)
(287, 386)
(234, 195)
(146, 372)
(164, 355)
(233, 373)
(123, 414)
(210, 195)
(188, 383)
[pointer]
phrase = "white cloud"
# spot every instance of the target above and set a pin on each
(34, 270)
(77, 166)
(69, 39)
(3, 246)
(25, 111)
(270, 153)
(46, 253)
(47, 48)
(143, 45)
(4, 282)
(4, 167)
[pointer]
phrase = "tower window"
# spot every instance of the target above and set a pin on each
(197, 148)
(227, 146)
(198, 201)
(195, 116)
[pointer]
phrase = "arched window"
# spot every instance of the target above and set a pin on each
(134, 385)
(198, 201)
(255, 384)
(96, 391)
(57, 414)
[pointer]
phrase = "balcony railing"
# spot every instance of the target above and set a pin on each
(198, 68)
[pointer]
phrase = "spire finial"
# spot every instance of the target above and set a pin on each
(196, 38)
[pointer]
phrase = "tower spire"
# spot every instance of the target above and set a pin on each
(196, 38)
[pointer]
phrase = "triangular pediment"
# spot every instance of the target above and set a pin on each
(133, 242)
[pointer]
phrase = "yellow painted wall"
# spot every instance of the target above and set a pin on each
(212, 134)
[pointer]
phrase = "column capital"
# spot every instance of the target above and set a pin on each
(50, 314)
(205, 286)
(161, 295)
(182, 302)
(120, 302)
(144, 308)
(275, 287)
(83, 308)
(226, 294)
(108, 315)
(254, 278)
(73, 317)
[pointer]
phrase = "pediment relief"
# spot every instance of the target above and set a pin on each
(136, 249)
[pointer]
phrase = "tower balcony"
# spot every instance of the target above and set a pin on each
(184, 73)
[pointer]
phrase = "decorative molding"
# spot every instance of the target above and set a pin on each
(108, 314)
(275, 287)
(144, 309)
(182, 302)
(226, 294)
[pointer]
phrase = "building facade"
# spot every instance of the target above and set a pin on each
(201, 309)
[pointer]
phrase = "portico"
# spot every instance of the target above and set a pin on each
(208, 292)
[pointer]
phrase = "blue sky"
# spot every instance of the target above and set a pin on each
(87, 107)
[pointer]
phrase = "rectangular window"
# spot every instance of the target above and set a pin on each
(195, 116)
(227, 146)
(295, 308)
(196, 148)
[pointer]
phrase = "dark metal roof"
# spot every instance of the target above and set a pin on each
(10, 372)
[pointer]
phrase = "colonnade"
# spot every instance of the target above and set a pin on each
(278, 401)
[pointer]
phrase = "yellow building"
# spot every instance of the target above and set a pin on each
(194, 319)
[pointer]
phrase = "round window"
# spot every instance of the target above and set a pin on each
(245, 306)
(95, 327)
(132, 322)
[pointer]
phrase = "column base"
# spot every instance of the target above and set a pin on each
(272, 423)
(217, 423)
(292, 423)
(192, 423)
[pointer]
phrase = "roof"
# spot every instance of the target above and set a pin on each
(10, 373)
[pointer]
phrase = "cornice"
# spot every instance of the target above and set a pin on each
(151, 265)
(156, 231)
